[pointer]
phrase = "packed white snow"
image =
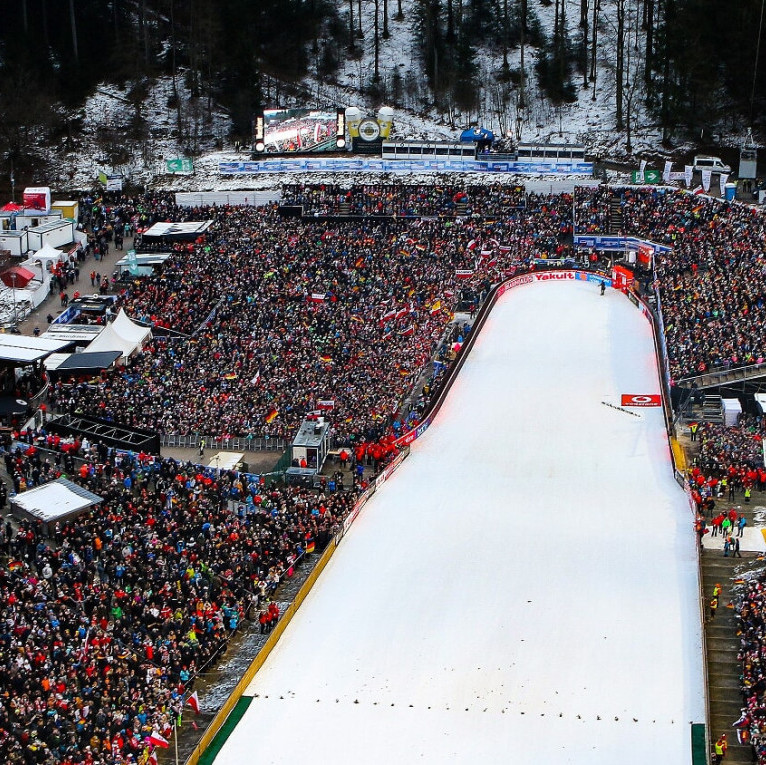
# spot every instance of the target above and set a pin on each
(524, 589)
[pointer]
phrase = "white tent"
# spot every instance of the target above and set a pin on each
(49, 253)
(121, 335)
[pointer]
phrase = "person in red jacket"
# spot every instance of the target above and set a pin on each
(273, 615)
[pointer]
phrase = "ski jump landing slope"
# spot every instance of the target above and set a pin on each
(524, 589)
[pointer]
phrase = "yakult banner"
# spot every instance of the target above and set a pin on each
(706, 175)
(666, 172)
(688, 172)
(722, 178)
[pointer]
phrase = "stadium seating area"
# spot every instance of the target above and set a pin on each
(104, 627)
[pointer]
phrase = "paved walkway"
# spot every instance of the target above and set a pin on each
(106, 266)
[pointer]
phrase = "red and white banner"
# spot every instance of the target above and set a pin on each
(637, 399)
(464, 273)
(645, 252)
(325, 404)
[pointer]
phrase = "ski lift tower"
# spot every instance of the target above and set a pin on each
(748, 158)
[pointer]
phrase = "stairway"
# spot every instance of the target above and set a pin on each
(718, 377)
(712, 410)
(461, 209)
(722, 645)
(344, 208)
(615, 216)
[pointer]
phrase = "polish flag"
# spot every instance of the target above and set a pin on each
(193, 702)
(157, 740)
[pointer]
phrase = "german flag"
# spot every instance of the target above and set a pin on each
(326, 359)
(309, 545)
(272, 414)
(436, 306)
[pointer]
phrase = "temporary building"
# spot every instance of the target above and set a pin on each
(58, 500)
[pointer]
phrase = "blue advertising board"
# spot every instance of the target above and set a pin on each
(400, 166)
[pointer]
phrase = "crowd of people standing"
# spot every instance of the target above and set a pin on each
(104, 627)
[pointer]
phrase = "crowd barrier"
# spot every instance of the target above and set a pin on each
(234, 444)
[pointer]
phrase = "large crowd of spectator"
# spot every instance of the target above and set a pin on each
(281, 312)
(401, 200)
(272, 314)
(751, 630)
(106, 623)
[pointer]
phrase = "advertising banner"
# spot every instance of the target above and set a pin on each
(179, 165)
(637, 399)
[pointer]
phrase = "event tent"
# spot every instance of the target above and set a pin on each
(121, 335)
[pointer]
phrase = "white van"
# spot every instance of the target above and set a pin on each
(714, 164)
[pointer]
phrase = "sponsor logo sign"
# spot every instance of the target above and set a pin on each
(639, 399)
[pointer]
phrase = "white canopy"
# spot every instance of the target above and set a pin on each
(121, 335)
(48, 252)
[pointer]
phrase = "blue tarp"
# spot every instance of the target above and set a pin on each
(476, 134)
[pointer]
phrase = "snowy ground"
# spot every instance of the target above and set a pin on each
(524, 589)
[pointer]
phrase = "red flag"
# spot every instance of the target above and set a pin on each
(193, 702)
(152, 759)
(157, 740)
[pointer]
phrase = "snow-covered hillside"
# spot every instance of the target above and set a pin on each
(105, 141)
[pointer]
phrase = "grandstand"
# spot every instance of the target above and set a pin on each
(356, 301)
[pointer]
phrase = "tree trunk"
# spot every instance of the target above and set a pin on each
(359, 33)
(376, 28)
(450, 21)
(46, 36)
(649, 41)
(506, 26)
(562, 49)
(523, 44)
(620, 63)
(351, 44)
(386, 33)
(173, 62)
(593, 43)
(73, 24)
(143, 27)
(584, 26)
(24, 17)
